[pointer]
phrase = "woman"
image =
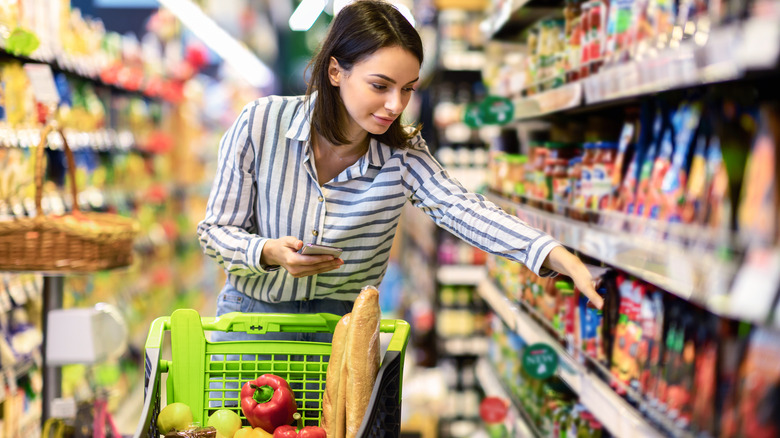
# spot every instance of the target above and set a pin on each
(335, 167)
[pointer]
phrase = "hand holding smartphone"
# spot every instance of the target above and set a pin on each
(314, 249)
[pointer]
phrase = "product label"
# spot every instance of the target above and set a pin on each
(42, 81)
(540, 361)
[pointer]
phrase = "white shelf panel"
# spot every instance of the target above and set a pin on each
(547, 102)
(492, 387)
(469, 275)
(691, 270)
(616, 414)
(726, 53)
(474, 345)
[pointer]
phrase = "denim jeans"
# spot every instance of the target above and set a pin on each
(232, 300)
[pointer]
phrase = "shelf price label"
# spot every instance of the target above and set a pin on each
(540, 361)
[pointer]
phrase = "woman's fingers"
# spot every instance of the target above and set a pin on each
(595, 299)
(307, 268)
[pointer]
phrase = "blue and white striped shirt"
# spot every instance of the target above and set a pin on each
(266, 187)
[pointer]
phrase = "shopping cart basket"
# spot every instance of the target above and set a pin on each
(198, 366)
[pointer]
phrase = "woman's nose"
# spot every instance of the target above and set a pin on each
(395, 104)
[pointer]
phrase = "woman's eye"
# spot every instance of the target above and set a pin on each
(378, 86)
(409, 90)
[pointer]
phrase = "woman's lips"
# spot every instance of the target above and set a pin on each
(383, 120)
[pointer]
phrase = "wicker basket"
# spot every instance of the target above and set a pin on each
(74, 242)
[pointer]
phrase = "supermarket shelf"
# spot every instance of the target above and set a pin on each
(16, 371)
(616, 414)
(685, 261)
(548, 102)
(730, 52)
(470, 346)
(725, 54)
(514, 16)
(468, 275)
(492, 386)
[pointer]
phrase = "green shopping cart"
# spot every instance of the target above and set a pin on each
(205, 375)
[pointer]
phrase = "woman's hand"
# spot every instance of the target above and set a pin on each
(566, 263)
(284, 252)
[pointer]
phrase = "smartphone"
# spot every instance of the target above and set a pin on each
(314, 249)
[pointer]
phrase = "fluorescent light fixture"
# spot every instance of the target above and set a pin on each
(338, 5)
(246, 63)
(307, 12)
(404, 10)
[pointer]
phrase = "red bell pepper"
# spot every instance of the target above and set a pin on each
(302, 432)
(268, 402)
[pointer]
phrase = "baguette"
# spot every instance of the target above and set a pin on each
(361, 356)
(335, 399)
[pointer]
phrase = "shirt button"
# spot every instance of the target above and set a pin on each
(314, 232)
(320, 199)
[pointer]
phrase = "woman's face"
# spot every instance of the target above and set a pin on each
(376, 90)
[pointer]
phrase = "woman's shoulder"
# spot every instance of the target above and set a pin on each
(274, 100)
(416, 142)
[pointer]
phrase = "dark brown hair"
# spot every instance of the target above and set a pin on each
(358, 30)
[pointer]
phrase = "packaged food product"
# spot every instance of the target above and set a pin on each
(585, 17)
(558, 155)
(760, 383)
(515, 182)
(601, 175)
(660, 128)
(758, 209)
(573, 35)
(574, 173)
(676, 178)
(591, 341)
(195, 432)
(705, 383)
(561, 185)
(733, 340)
(624, 150)
(676, 384)
(651, 316)
(538, 189)
(618, 24)
(718, 204)
(697, 180)
(624, 364)
(650, 206)
(651, 122)
(597, 21)
(583, 201)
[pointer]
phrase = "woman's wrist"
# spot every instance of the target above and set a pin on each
(267, 260)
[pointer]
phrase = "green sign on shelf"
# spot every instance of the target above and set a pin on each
(472, 116)
(497, 110)
(540, 361)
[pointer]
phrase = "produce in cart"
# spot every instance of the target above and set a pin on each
(268, 402)
(174, 417)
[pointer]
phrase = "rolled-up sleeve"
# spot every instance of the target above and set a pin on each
(228, 233)
(473, 218)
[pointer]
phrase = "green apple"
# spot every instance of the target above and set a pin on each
(175, 416)
(226, 422)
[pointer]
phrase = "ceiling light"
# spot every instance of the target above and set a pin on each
(307, 12)
(234, 53)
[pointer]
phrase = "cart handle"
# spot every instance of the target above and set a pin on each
(260, 323)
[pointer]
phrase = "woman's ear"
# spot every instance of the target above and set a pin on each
(334, 72)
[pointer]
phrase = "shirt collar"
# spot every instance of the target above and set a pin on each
(300, 127)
